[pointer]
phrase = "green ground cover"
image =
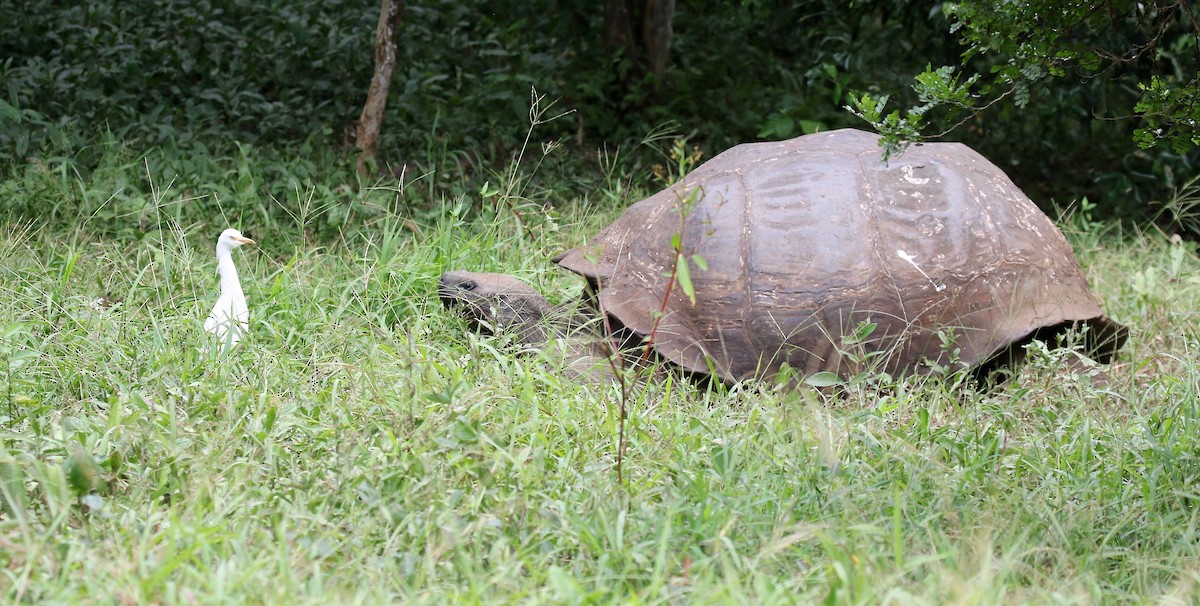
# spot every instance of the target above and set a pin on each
(361, 446)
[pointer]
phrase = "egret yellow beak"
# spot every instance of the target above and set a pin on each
(244, 240)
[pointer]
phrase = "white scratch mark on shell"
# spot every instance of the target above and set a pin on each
(913, 261)
(908, 176)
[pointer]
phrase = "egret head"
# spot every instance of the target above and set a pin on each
(231, 239)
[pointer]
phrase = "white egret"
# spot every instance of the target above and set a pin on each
(230, 318)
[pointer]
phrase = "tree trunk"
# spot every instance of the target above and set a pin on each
(647, 49)
(371, 122)
(618, 28)
(656, 36)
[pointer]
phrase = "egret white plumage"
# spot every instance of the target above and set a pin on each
(230, 318)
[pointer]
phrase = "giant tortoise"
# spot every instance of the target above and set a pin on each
(822, 257)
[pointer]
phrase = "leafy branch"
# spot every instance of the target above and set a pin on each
(1028, 43)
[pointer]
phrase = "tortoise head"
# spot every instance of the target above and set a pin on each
(497, 303)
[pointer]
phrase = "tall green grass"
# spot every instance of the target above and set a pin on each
(361, 446)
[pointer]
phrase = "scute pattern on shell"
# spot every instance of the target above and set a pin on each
(805, 239)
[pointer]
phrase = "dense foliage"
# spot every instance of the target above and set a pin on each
(163, 71)
(360, 446)
(171, 74)
(1149, 46)
(1095, 74)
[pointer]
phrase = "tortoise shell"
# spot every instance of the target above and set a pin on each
(811, 241)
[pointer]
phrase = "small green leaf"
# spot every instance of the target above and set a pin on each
(566, 588)
(861, 333)
(684, 278)
(488, 191)
(10, 330)
(722, 459)
(83, 473)
(809, 127)
(12, 487)
(269, 421)
(778, 126)
(53, 481)
(465, 432)
(699, 261)
(8, 112)
(19, 358)
(823, 379)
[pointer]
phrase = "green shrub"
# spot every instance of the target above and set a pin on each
(292, 78)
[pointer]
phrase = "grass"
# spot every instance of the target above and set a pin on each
(362, 447)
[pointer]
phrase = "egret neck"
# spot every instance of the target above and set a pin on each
(230, 318)
(231, 286)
